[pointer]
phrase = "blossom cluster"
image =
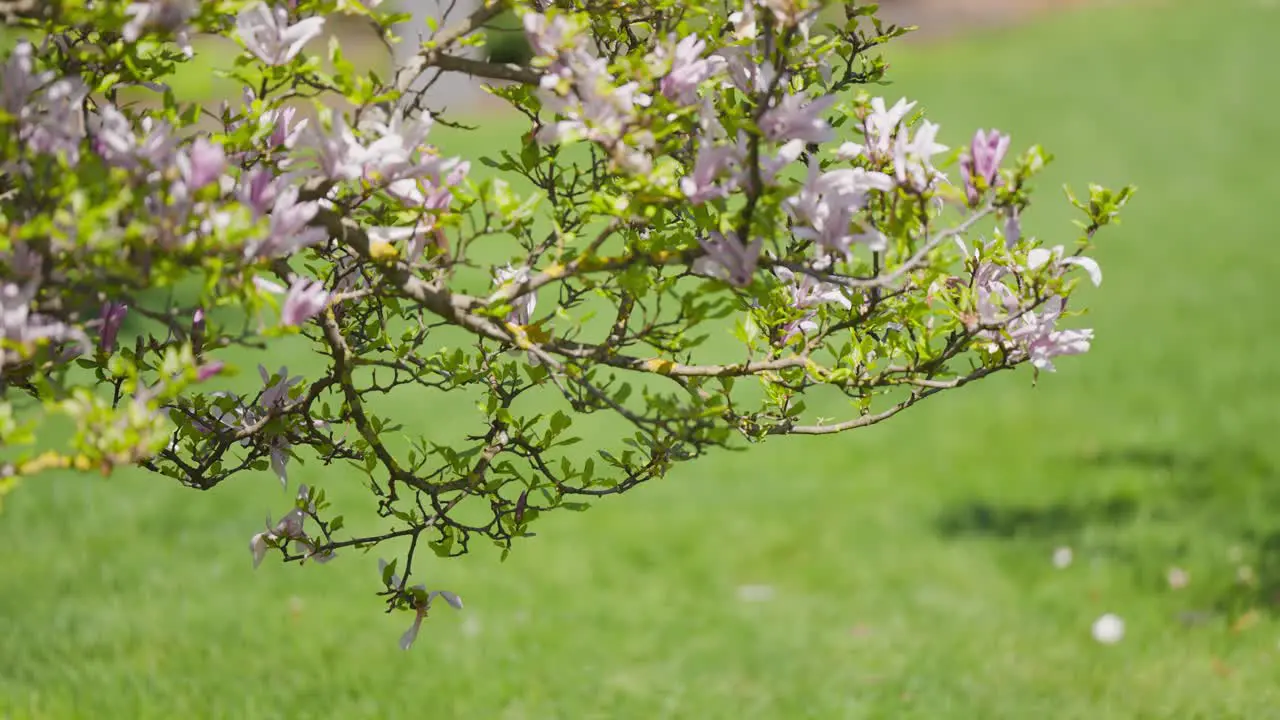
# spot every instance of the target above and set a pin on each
(732, 171)
(579, 87)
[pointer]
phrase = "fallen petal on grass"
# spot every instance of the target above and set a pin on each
(1062, 557)
(755, 593)
(1108, 629)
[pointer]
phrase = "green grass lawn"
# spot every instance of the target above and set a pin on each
(909, 563)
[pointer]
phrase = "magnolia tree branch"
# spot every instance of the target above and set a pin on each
(695, 226)
(434, 53)
(484, 69)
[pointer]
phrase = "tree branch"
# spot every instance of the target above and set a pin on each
(865, 420)
(484, 69)
(434, 51)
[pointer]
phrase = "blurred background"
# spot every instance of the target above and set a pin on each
(948, 564)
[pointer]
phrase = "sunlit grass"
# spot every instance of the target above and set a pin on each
(910, 563)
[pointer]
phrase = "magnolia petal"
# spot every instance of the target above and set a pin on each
(849, 151)
(1038, 257)
(279, 461)
(267, 286)
(406, 640)
(258, 546)
(454, 601)
(1012, 230)
(1090, 266)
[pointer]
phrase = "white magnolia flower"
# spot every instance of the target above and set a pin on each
(266, 32)
(1057, 255)
(913, 157)
(522, 306)
(881, 126)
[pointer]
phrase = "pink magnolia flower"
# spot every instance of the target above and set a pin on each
(116, 142)
(169, 15)
(988, 151)
(744, 21)
(1040, 339)
(431, 188)
(825, 206)
(797, 118)
(744, 73)
(20, 326)
(595, 112)
(337, 152)
(547, 36)
(728, 259)
(982, 160)
(806, 291)
(274, 398)
(285, 133)
(112, 318)
(399, 138)
(880, 127)
(855, 183)
(996, 302)
(581, 92)
(276, 395)
(912, 157)
(689, 70)
(770, 166)
(306, 299)
(290, 528)
(201, 164)
(1058, 261)
(208, 370)
(711, 164)
(55, 123)
(290, 230)
(258, 191)
(266, 33)
(19, 80)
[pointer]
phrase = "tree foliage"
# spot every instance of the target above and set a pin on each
(707, 217)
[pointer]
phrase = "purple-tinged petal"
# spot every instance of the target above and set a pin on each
(406, 640)
(208, 370)
(306, 299)
(113, 314)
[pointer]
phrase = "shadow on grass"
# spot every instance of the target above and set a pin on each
(982, 518)
(1188, 504)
